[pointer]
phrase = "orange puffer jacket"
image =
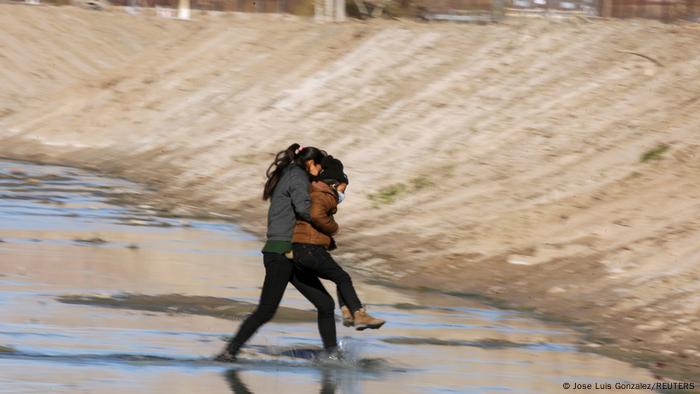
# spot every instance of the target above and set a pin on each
(322, 227)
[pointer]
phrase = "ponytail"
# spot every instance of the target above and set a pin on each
(295, 154)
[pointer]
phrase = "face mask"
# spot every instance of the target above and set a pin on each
(341, 197)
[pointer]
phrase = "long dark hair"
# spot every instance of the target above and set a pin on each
(293, 155)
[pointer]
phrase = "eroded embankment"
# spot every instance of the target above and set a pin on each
(542, 163)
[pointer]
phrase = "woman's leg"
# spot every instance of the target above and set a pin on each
(310, 287)
(278, 272)
(317, 259)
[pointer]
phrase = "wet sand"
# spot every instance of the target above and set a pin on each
(432, 342)
(222, 308)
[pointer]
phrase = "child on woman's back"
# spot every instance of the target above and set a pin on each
(312, 241)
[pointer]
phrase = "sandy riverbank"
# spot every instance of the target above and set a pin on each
(540, 163)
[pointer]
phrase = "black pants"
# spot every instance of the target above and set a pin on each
(316, 260)
(279, 271)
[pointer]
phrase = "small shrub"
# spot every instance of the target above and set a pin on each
(420, 182)
(655, 153)
(389, 194)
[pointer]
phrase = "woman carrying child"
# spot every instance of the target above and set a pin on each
(287, 188)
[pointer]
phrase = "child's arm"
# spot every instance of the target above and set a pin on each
(321, 205)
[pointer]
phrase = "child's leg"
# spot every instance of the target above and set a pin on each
(341, 303)
(317, 259)
(348, 319)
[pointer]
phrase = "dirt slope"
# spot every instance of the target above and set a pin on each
(504, 160)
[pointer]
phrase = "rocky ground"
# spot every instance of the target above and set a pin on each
(547, 165)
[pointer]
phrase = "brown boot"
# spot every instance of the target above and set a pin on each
(348, 320)
(364, 321)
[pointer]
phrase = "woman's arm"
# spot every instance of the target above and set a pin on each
(299, 193)
(321, 205)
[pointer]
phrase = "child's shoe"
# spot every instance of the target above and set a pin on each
(363, 320)
(348, 320)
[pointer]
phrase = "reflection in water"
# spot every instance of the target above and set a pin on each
(327, 382)
(328, 385)
(237, 385)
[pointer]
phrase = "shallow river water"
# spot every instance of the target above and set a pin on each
(65, 236)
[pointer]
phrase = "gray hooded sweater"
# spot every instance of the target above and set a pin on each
(289, 200)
